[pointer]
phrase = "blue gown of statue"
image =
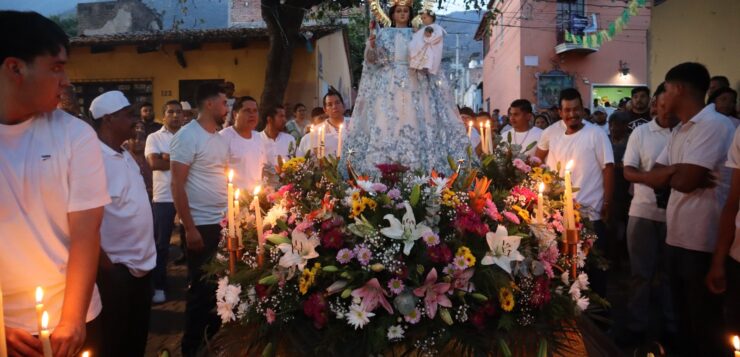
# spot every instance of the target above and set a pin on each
(401, 115)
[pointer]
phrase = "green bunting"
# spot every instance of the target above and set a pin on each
(614, 28)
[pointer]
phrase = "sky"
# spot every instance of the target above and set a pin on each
(54, 7)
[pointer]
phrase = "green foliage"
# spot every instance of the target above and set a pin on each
(68, 24)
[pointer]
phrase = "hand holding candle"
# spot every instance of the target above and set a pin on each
(39, 306)
(45, 336)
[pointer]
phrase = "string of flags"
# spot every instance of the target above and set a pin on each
(614, 28)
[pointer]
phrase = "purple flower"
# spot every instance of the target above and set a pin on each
(414, 317)
(363, 254)
(396, 285)
(345, 255)
(394, 194)
(431, 239)
(511, 217)
(379, 187)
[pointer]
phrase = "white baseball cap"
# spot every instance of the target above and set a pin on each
(185, 105)
(108, 103)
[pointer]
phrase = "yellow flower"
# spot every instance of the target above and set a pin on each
(547, 179)
(369, 203)
(308, 278)
(470, 260)
(506, 298)
(357, 208)
(356, 196)
(293, 164)
(524, 215)
(449, 198)
(463, 251)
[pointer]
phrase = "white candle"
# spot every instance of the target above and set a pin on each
(470, 130)
(540, 202)
(3, 346)
(736, 345)
(229, 207)
(570, 217)
(489, 137)
(39, 306)
(85, 354)
(258, 223)
(339, 141)
(45, 335)
(482, 138)
(322, 132)
(236, 216)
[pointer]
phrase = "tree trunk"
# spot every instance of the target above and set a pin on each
(283, 28)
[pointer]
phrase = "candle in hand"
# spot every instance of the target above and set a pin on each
(540, 199)
(45, 335)
(570, 217)
(339, 141)
(229, 207)
(39, 306)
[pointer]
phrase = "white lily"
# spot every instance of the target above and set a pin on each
(407, 231)
(440, 183)
(300, 251)
(504, 249)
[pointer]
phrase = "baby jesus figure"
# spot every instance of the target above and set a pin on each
(425, 49)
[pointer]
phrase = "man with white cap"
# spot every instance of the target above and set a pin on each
(52, 193)
(126, 234)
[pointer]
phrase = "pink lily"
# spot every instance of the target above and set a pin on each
(461, 280)
(434, 293)
(372, 295)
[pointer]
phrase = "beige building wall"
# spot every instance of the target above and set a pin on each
(706, 31)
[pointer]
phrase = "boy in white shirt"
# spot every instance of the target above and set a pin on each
(128, 251)
(522, 134)
(247, 154)
(52, 193)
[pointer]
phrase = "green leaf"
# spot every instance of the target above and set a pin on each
(543, 348)
(530, 146)
(269, 350)
(479, 297)
(330, 269)
(268, 280)
(277, 239)
(444, 314)
(415, 195)
(452, 163)
(504, 347)
(346, 293)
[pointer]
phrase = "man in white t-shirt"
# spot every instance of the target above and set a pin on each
(646, 227)
(128, 251)
(592, 173)
(277, 142)
(157, 153)
(334, 109)
(724, 274)
(694, 157)
(522, 134)
(198, 160)
(247, 155)
(52, 193)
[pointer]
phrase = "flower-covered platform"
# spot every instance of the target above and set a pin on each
(482, 262)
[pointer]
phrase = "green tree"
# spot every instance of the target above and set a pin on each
(68, 24)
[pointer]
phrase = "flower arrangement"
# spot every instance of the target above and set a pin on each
(410, 261)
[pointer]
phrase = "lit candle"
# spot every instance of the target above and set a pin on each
(85, 354)
(229, 207)
(44, 335)
(322, 132)
(3, 346)
(39, 306)
(339, 141)
(312, 137)
(570, 217)
(258, 223)
(540, 202)
(236, 216)
(470, 130)
(489, 137)
(482, 138)
(736, 345)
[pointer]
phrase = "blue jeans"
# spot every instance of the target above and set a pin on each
(646, 246)
(164, 223)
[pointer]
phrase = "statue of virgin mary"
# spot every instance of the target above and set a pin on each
(401, 115)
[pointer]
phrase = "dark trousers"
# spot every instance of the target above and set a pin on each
(164, 223)
(732, 296)
(201, 320)
(596, 276)
(127, 304)
(699, 312)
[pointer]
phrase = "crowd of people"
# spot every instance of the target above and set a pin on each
(660, 174)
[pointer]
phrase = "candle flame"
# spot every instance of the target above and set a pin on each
(85, 354)
(257, 190)
(236, 195)
(231, 175)
(736, 342)
(39, 295)
(470, 123)
(488, 123)
(340, 127)
(542, 186)
(569, 166)
(44, 320)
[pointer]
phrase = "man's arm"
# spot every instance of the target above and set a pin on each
(689, 177)
(541, 154)
(608, 173)
(716, 279)
(180, 173)
(159, 161)
(658, 177)
(84, 227)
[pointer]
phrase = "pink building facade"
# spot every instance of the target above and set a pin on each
(525, 55)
